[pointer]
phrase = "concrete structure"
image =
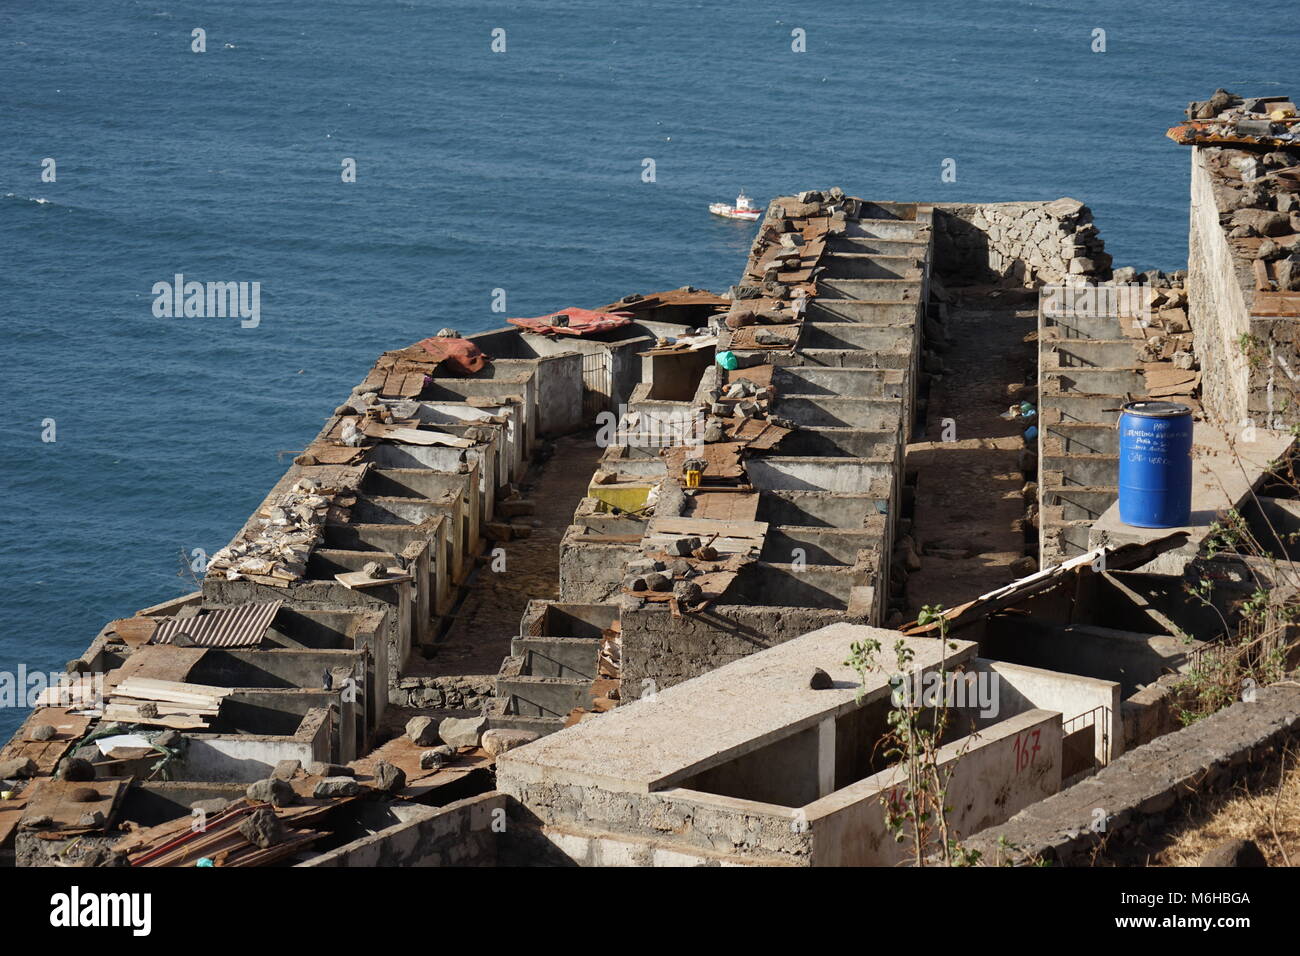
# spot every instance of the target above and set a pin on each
(747, 765)
(741, 529)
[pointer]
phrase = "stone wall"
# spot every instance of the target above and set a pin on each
(1250, 359)
(660, 650)
(449, 692)
(1217, 307)
(1018, 243)
(465, 833)
(685, 821)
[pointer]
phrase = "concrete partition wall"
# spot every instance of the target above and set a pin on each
(1081, 701)
(592, 571)
(435, 485)
(616, 353)
(498, 380)
(844, 475)
(244, 758)
(1128, 658)
(397, 599)
(515, 449)
(751, 731)
(488, 456)
(994, 775)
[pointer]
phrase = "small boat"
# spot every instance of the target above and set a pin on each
(743, 209)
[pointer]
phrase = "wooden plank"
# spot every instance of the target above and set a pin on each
(155, 662)
(69, 728)
(174, 721)
(1276, 303)
(180, 687)
(53, 798)
(412, 436)
(359, 580)
(724, 506)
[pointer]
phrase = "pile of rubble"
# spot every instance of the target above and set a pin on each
(275, 550)
(1228, 118)
(1254, 160)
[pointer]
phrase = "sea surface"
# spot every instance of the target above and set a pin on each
(476, 170)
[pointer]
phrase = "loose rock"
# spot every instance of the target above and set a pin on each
(388, 779)
(422, 731)
(262, 828)
(272, 790)
(500, 740)
(336, 787)
(74, 768)
(20, 769)
(1235, 853)
(461, 731)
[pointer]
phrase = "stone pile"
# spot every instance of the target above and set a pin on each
(276, 551)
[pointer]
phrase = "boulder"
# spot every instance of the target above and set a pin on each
(1234, 853)
(461, 731)
(688, 592)
(1264, 222)
(272, 790)
(431, 760)
(212, 807)
(20, 769)
(498, 740)
(423, 731)
(336, 787)
(820, 680)
(74, 768)
(285, 769)
(388, 779)
(262, 828)
(655, 581)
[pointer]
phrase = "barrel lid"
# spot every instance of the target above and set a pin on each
(1155, 409)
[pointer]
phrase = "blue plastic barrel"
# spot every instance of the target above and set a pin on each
(1155, 464)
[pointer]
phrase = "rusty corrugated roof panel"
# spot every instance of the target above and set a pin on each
(242, 626)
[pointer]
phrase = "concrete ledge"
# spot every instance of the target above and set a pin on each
(1144, 788)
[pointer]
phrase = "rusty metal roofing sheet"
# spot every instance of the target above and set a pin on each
(242, 626)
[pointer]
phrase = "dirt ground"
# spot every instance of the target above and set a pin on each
(968, 492)
(483, 624)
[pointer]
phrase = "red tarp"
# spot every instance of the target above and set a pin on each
(581, 322)
(460, 356)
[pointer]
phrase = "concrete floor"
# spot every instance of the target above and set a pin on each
(968, 493)
(483, 624)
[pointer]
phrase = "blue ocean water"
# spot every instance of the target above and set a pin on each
(476, 170)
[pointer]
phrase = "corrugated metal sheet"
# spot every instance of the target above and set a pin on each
(241, 626)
